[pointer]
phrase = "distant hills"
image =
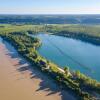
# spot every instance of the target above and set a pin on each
(50, 19)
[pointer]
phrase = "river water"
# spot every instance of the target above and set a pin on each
(20, 81)
(76, 54)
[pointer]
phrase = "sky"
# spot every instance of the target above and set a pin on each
(49, 6)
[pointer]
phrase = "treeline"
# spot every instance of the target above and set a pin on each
(74, 82)
(81, 36)
(50, 19)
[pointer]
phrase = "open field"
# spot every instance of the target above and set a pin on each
(92, 30)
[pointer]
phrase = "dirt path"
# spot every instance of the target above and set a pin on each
(18, 81)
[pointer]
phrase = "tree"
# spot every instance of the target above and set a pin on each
(78, 73)
(66, 69)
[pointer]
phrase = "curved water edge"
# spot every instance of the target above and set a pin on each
(67, 82)
(25, 81)
(76, 54)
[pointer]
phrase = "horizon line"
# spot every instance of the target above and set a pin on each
(49, 14)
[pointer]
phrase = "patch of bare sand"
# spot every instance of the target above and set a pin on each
(18, 81)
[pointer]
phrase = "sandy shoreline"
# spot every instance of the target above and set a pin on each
(18, 81)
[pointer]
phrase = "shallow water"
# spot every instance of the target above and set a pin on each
(76, 54)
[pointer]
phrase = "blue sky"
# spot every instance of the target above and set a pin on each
(49, 6)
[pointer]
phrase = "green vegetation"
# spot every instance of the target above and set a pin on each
(83, 32)
(86, 33)
(75, 82)
(7, 28)
(91, 30)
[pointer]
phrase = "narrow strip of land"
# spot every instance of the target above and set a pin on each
(18, 81)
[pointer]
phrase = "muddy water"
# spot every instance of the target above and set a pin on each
(19, 81)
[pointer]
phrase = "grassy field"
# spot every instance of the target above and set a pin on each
(93, 30)
(12, 28)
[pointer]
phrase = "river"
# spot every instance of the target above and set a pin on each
(19, 81)
(76, 54)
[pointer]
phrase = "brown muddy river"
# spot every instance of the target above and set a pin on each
(18, 81)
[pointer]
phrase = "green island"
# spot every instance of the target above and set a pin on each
(75, 82)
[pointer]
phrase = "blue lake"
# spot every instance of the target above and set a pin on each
(76, 54)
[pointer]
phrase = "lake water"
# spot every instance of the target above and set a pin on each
(76, 54)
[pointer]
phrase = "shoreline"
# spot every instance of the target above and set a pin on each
(67, 82)
(24, 87)
(80, 36)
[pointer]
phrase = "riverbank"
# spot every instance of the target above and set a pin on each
(81, 36)
(21, 41)
(18, 81)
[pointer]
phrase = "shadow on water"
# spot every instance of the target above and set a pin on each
(46, 83)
